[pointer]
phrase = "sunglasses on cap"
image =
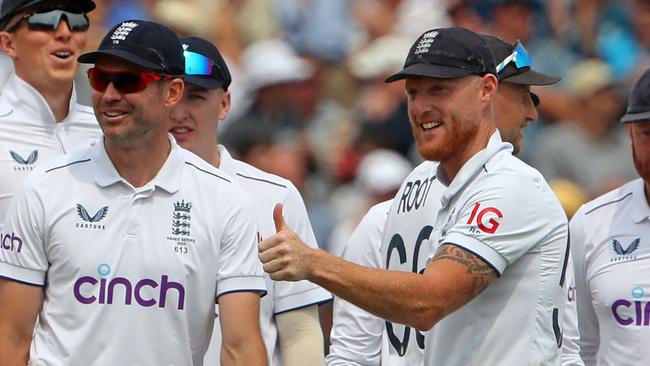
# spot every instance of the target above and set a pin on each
(126, 82)
(197, 64)
(50, 20)
(519, 56)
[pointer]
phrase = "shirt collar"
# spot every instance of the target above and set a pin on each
(639, 210)
(168, 178)
(21, 95)
(472, 167)
(226, 161)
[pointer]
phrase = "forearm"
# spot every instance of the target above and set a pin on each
(14, 351)
(247, 352)
(401, 297)
(301, 340)
(17, 319)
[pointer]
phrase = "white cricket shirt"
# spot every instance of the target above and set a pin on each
(356, 335)
(266, 190)
(30, 135)
(610, 243)
(130, 275)
(502, 210)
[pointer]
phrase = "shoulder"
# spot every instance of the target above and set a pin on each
(612, 200)
(202, 169)
(79, 158)
(251, 175)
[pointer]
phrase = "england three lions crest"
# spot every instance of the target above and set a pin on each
(181, 218)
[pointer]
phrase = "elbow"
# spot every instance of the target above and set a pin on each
(427, 318)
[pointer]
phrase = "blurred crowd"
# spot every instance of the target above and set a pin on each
(310, 104)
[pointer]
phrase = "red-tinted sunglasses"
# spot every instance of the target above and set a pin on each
(125, 82)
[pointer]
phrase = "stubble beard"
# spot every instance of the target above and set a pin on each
(458, 134)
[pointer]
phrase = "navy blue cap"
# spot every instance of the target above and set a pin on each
(12, 7)
(447, 53)
(219, 76)
(638, 102)
(147, 44)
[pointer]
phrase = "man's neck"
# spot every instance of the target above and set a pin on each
(59, 102)
(453, 165)
(139, 162)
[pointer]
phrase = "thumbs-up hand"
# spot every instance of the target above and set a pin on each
(284, 255)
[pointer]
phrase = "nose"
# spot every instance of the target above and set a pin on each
(111, 94)
(531, 110)
(178, 113)
(63, 31)
(419, 105)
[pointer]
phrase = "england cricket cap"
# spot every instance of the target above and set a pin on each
(12, 7)
(150, 45)
(638, 102)
(510, 73)
(204, 65)
(447, 53)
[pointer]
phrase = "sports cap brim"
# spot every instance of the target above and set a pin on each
(429, 70)
(531, 77)
(91, 58)
(636, 117)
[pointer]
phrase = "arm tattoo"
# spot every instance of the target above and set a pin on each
(482, 273)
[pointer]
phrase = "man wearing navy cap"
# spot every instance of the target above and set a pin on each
(492, 291)
(40, 117)
(289, 313)
(114, 252)
(610, 246)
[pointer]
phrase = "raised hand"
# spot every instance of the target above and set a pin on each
(284, 255)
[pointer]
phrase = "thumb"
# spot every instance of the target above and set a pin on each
(278, 218)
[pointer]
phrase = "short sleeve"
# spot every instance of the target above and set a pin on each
(293, 295)
(506, 218)
(587, 320)
(23, 256)
(239, 268)
(356, 334)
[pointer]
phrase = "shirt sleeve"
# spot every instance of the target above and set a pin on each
(294, 295)
(507, 219)
(239, 268)
(356, 334)
(588, 328)
(570, 333)
(23, 256)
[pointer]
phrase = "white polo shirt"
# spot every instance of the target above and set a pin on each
(29, 134)
(502, 210)
(266, 190)
(356, 334)
(130, 275)
(610, 243)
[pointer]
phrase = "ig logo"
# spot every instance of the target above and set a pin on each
(485, 219)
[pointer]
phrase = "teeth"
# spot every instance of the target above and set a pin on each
(430, 125)
(180, 130)
(62, 54)
(114, 114)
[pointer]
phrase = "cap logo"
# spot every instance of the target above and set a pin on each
(425, 42)
(123, 31)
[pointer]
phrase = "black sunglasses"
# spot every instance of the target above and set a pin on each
(50, 20)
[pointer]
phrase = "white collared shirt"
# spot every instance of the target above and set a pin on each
(356, 334)
(266, 190)
(30, 135)
(610, 243)
(130, 275)
(502, 210)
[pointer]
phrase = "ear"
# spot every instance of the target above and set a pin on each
(174, 92)
(7, 44)
(489, 86)
(225, 105)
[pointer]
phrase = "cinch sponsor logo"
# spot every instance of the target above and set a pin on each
(146, 292)
(634, 312)
(11, 242)
(24, 164)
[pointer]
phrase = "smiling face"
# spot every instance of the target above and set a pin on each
(195, 119)
(134, 118)
(44, 58)
(445, 114)
(513, 110)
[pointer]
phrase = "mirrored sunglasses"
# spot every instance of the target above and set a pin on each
(50, 20)
(519, 56)
(126, 82)
(198, 64)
